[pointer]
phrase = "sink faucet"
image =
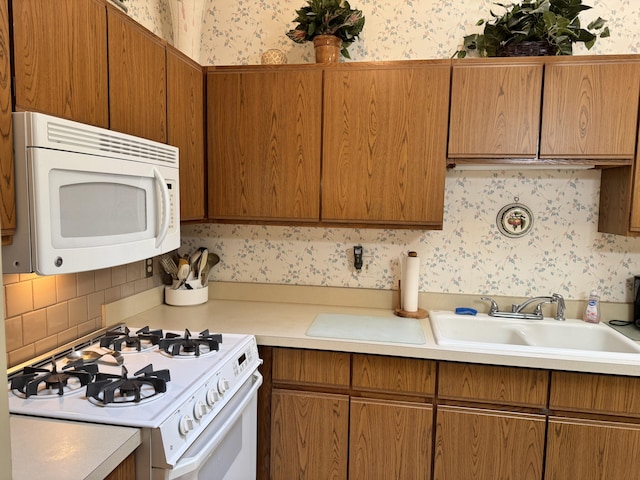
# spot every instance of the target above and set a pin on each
(517, 310)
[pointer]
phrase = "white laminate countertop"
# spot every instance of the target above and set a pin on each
(285, 325)
(55, 449)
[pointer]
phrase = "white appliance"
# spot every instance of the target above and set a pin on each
(201, 423)
(89, 198)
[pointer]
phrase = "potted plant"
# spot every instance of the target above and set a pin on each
(328, 17)
(553, 25)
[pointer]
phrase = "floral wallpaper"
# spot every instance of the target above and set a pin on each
(563, 253)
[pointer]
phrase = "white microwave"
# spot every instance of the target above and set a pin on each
(89, 198)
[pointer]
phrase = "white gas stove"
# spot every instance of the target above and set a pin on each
(181, 388)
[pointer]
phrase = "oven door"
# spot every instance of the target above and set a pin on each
(226, 450)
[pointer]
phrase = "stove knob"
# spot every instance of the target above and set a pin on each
(212, 397)
(199, 410)
(186, 425)
(223, 385)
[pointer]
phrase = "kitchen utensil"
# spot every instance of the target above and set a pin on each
(212, 260)
(183, 273)
(202, 262)
(91, 356)
(169, 266)
(194, 261)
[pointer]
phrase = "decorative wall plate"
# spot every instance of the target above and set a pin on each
(514, 220)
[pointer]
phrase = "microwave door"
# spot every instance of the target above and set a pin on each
(91, 212)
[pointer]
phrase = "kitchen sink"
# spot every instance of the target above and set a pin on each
(569, 337)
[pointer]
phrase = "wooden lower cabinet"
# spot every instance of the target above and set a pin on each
(479, 444)
(389, 440)
(592, 450)
(309, 435)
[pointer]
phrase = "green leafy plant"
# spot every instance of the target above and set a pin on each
(328, 17)
(555, 22)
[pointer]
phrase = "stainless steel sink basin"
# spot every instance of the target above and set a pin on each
(571, 337)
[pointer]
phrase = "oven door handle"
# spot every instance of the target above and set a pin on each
(190, 463)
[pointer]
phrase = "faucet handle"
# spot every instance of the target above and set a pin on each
(494, 306)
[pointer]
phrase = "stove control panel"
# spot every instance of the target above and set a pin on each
(189, 420)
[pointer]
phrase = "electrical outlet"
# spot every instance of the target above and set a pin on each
(148, 267)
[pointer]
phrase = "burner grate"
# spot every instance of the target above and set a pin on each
(185, 346)
(108, 389)
(34, 380)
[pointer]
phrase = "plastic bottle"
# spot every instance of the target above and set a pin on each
(592, 310)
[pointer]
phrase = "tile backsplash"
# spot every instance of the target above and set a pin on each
(45, 312)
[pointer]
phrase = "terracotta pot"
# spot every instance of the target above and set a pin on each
(327, 48)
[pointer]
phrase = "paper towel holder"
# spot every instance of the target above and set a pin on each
(400, 312)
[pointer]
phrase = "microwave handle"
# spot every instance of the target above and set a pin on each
(166, 207)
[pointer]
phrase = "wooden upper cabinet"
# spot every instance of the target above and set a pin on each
(60, 59)
(137, 79)
(384, 143)
(264, 132)
(495, 110)
(590, 109)
(7, 174)
(185, 130)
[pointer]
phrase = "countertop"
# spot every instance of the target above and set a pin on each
(56, 449)
(285, 324)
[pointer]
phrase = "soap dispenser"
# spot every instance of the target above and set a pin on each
(592, 310)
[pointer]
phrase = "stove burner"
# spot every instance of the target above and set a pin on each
(124, 390)
(143, 339)
(185, 346)
(45, 383)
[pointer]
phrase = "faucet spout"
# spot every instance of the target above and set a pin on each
(555, 298)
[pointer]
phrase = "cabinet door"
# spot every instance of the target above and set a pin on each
(384, 144)
(7, 179)
(590, 110)
(389, 439)
(60, 57)
(478, 444)
(264, 143)
(137, 79)
(495, 110)
(309, 435)
(592, 450)
(185, 130)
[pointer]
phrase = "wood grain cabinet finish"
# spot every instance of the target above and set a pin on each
(493, 384)
(7, 174)
(60, 59)
(125, 471)
(384, 144)
(185, 130)
(389, 439)
(592, 393)
(478, 444)
(314, 367)
(393, 375)
(495, 109)
(309, 435)
(591, 450)
(137, 79)
(264, 134)
(590, 109)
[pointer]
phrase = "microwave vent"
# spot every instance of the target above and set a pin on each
(109, 144)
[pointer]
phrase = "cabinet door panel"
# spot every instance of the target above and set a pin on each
(60, 57)
(264, 144)
(384, 145)
(7, 177)
(185, 130)
(309, 436)
(389, 439)
(137, 79)
(590, 110)
(394, 374)
(474, 444)
(495, 111)
(317, 367)
(592, 450)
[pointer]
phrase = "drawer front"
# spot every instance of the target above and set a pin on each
(592, 393)
(316, 367)
(394, 374)
(493, 384)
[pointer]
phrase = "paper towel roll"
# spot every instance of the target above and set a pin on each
(410, 281)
